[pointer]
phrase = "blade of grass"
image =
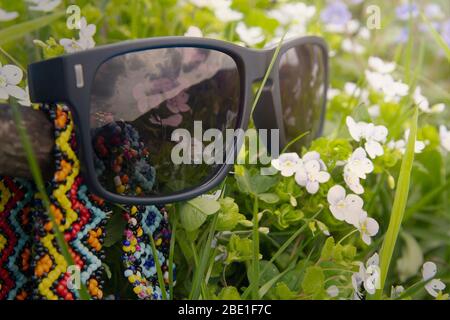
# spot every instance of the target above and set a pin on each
(162, 285)
(202, 264)
(255, 258)
(398, 207)
(171, 256)
(438, 38)
(19, 30)
(266, 76)
(295, 140)
(39, 181)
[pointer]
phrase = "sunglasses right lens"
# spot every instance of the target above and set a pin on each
(145, 109)
(302, 73)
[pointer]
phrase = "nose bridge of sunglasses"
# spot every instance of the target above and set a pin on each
(266, 116)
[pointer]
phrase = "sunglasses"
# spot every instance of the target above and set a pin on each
(132, 102)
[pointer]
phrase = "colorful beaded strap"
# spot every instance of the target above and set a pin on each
(31, 265)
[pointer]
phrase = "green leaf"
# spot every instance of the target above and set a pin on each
(193, 213)
(349, 252)
(229, 293)
(313, 282)
(114, 229)
(411, 258)
(270, 198)
(283, 292)
(251, 182)
(287, 216)
(327, 250)
(229, 215)
(19, 30)
(239, 249)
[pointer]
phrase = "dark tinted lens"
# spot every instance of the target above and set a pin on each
(139, 99)
(302, 89)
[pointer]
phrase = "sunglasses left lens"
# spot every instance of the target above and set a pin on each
(148, 112)
(302, 73)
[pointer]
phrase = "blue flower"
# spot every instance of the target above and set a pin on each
(403, 36)
(405, 10)
(336, 13)
(445, 31)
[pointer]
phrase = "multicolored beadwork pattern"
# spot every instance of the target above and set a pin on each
(123, 164)
(31, 265)
(16, 197)
(79, 216)
(140, 269)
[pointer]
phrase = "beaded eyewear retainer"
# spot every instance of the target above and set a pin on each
(143, 91)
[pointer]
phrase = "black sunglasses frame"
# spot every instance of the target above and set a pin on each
(68, 80)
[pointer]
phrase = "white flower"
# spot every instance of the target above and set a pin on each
(380, 66)
(351, 89)
(314, 155)
(287, 163)
(8, 16)
(200, 3)
(444, 135)
(433, 287)
(364, 33)
(193, 31)
(85, 41)
(293, 13)
(250, 35)
(310, 174)
(357, 282)
(332, 92)
(10, 77)
(429, 270)
(374, 111)
(397, 291)
(368, 227)
(351, 46)
(345, 207)
(43, 5)
(371, 133)
(24, 100)
(333, 291)
(385, 84)
(349, 27)
(367, 277)
(422, 102)
(224, 13)
(400, 145)
(357, 166)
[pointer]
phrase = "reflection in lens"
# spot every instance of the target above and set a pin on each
(140, 98)
(302, 89)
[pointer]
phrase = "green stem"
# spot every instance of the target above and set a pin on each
(255, 260)
(347, 235)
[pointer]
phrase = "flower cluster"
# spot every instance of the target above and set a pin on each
(85, 41)
(309, 171)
